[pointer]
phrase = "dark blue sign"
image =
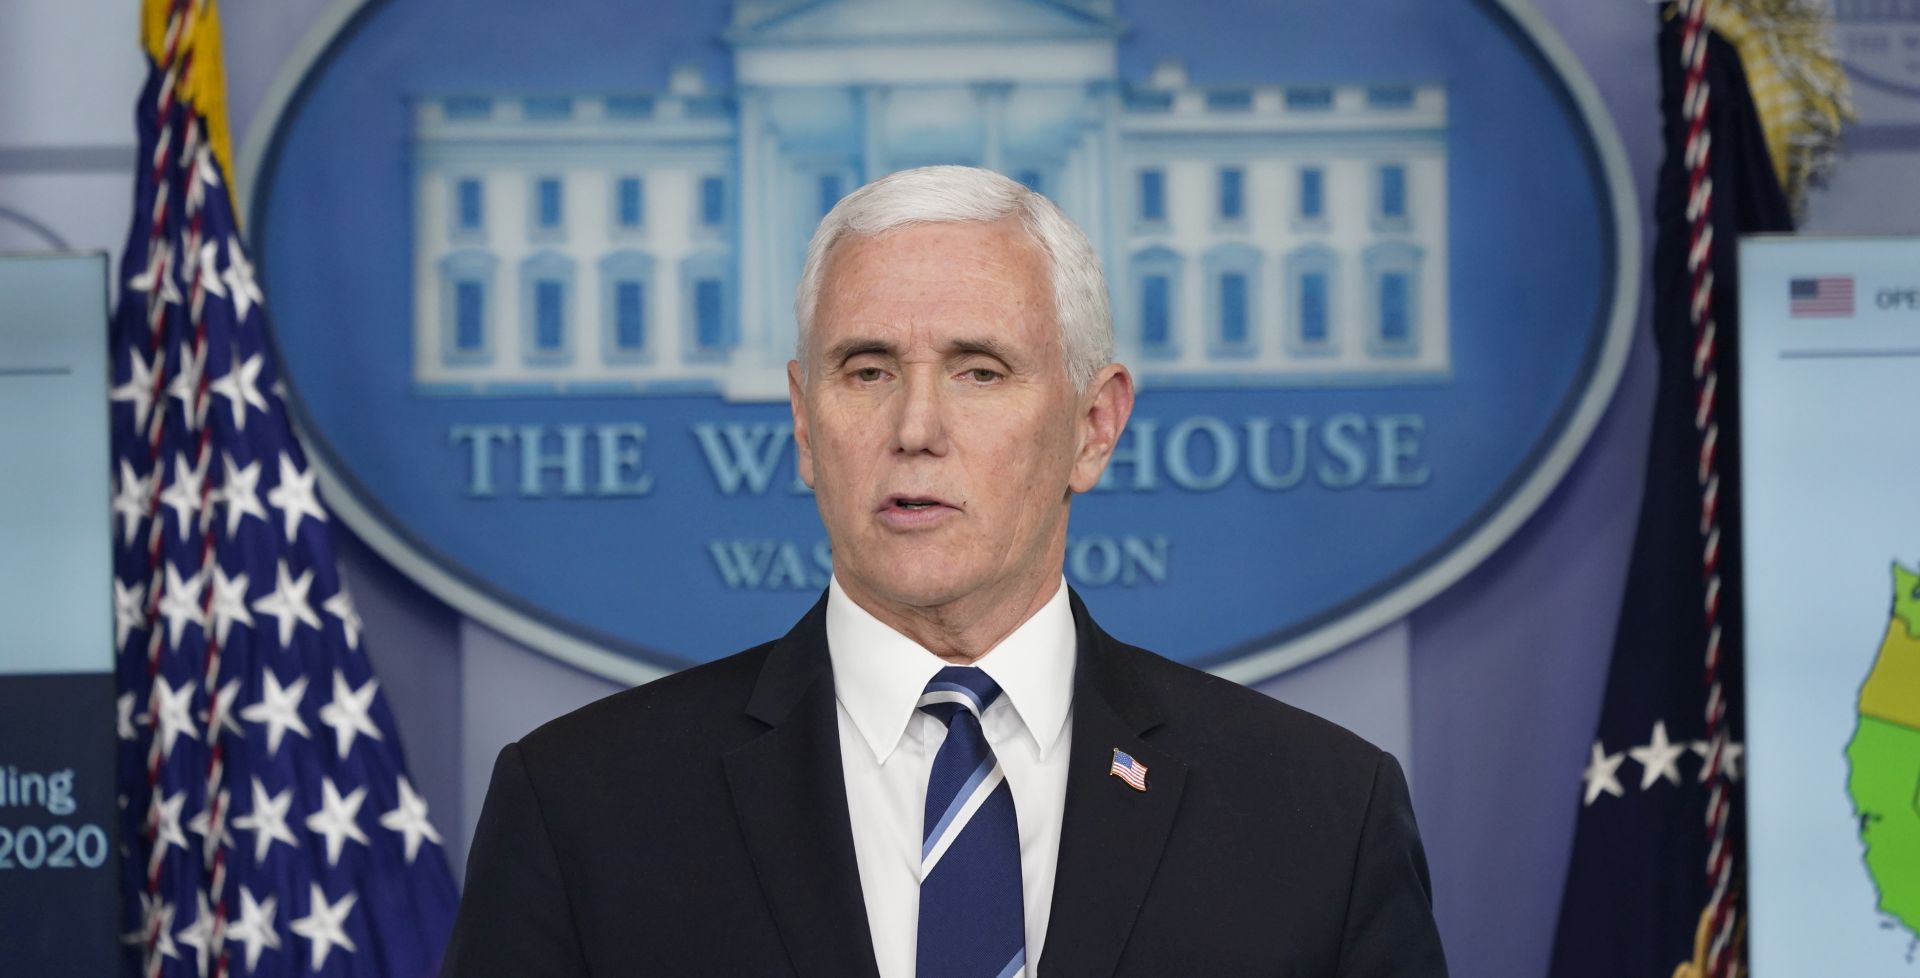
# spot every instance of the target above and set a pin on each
(532, 274)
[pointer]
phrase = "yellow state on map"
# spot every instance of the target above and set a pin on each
(1892, 689)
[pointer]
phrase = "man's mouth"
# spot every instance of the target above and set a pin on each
(914, 503)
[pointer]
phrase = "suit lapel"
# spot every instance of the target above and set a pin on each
(791, 801)
(1111, 836)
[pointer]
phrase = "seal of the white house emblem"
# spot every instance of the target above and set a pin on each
(1371, 261)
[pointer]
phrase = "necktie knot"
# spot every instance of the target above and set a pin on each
(956, 688)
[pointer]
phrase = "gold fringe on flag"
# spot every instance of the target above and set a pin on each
(203, 83)
(1799, 88)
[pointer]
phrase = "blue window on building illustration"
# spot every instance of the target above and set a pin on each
(626, 283)
(1393, 192)
(710, 330)
(1156, 275)
(1232, 299)
(1390, 96)
(470, 204)
(1393, 283)
(1310, 279)
(1233, 309)
(1232, 193)
(546, 305)
(548, 107)
(630, 202)
(466, 287)
(1156, 311)
(1313, 193)
(629, 107)
(547, 203)
(550, 312)
(1230, 100)
(629, 316)
(1394, 330)
(1310, 97)
(1153, 195)
(467, 107)
(1313, 309)
(831, 190)
(469, 316)
(713, 201)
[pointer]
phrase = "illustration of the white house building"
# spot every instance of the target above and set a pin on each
(1270, 234)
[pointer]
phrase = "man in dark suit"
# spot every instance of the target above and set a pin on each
(947, 768)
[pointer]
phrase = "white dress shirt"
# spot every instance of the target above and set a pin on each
(887, 748)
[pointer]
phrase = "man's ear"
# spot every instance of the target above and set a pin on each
(1104, 410)
(802, 442)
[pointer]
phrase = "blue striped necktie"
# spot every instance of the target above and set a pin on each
(971, 921)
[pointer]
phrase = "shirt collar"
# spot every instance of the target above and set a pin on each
(879, 674)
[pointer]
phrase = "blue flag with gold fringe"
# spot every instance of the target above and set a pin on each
(1654, 886)
(267, 823)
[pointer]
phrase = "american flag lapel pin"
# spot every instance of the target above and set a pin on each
(1129, 770)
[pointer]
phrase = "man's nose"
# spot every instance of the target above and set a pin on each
(921, 424)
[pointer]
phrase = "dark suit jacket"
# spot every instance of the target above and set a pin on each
(698, 826)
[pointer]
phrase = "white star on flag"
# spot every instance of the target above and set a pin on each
(255, 927)
(240, 493)
(278, 708)
(123, 716)
(341, 606)
(1600, 774)
(138, 389)
(324, 925)
(240, 386)
(199, 935)
(246, 293)
(347, 714)
(201, 824)
(172, 713)
(229, 603)
(267, 821)
(164, 816)
(180, 604)
(287, 603)
(183, 494)
(130, 502)
(220, 708)
(294, 497)
(205, 175)
(1730, 751)
(156, 925)
(207, 275)
(409, 819)
(153, 273)
(129, 610)
(186, 388)
(1659, 758)
(335, 820)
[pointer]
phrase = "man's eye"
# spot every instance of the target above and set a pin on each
(983, 375)
(867, 375)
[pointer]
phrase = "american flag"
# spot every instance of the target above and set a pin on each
(267, 823)
(1827, 296)
(1129, 770)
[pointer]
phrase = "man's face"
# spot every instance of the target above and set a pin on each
(937, 424)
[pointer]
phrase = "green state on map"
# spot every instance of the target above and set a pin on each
(1883, 759)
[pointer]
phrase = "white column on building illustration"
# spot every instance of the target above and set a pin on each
(755, 277)
(774, 277)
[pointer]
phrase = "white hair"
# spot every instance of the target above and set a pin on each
(940, 194)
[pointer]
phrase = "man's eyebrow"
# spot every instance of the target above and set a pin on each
(986, 347)
(851, 347)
